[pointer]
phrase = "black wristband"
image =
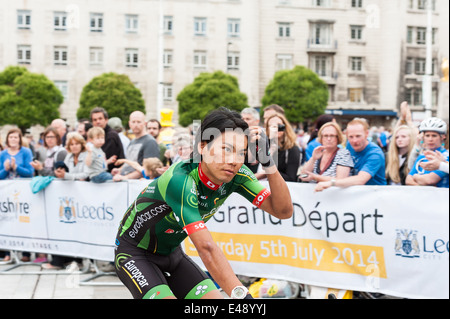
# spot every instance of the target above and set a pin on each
(248, 297)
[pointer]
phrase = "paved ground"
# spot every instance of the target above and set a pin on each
(32, 282)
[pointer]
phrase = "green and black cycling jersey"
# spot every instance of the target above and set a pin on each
(178, 204)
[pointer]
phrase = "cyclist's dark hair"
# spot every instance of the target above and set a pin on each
(220, 120)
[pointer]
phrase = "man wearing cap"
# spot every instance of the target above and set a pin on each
(141, 147)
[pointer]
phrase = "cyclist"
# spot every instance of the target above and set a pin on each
(148, 256)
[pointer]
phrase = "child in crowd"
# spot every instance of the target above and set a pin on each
(96, 159)
(151, 168)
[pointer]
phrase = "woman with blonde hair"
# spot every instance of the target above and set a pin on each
(328, 160)
(286, 150)
(75, 159)
(402, 143)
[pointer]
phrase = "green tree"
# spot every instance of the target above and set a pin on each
(209, 91)
(113, 92)
(301, 93)
(27, 99)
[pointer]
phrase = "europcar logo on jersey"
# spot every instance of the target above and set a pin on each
(13, 207)
(412, 244)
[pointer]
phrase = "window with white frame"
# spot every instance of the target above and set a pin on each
(420, 65)
(96, 22)
(168, 24)
(131, 23)
(356, 3)
(356, 64)
(168, 92)
(233, 61)
(284, 29)
(320, 33)
(200, 26)
(234, 27)
(60, 56)
(96, 56)
(200, 59)
(24, 54)
(63, 87)
(23, 19)
(356, 32)
(168, 58)
(284, 61)
(355, 95)
(132, 58)
(321, 3)
(321, 64)
(60, 21)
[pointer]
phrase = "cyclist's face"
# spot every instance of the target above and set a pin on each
(224, 156)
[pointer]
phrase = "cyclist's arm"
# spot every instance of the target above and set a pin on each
(214, 260)
(279, 203)
(427, 179)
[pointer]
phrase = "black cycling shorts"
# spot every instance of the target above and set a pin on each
(153, 276)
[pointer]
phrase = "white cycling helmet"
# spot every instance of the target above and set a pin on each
(433, 124)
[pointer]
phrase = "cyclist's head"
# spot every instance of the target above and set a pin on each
(215, 123)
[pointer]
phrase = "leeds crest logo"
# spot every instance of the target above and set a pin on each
(66, 210)
(406, 244)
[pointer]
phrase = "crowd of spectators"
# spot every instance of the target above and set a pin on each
(97, 150)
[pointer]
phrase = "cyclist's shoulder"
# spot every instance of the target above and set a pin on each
(245, 175)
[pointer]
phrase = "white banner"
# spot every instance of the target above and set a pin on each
(391, 240)
(388, 239)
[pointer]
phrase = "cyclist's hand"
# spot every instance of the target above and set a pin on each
(259, 145)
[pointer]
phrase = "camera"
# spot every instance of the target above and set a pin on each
(281, 127)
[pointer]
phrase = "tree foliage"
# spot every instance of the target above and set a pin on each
(209, 91)
(27, 99)
(301, 93)
(113, 92)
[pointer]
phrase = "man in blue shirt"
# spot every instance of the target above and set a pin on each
(434, 133)
(369, 159)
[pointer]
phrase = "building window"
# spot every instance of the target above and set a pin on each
(60, 56)
(420, 66)
(96, 22)
(60, 21)
(95, 56)
(321, 3)
(168, 58)
(200, 26)
(131, 58)
(409, 69)
(284, 61)
(63, 87)
(234, 27)
(284, 30)
(131, 23)
(356, 64)
(23, 54)
(200, 59)
(321, 64)
(421, 36)
(168, 24)
(356, 32)
(23, 19)
(321, 33)
(233, 61)
(355, 95)
(168, 92)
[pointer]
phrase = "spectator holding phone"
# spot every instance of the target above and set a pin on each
(286, 151)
